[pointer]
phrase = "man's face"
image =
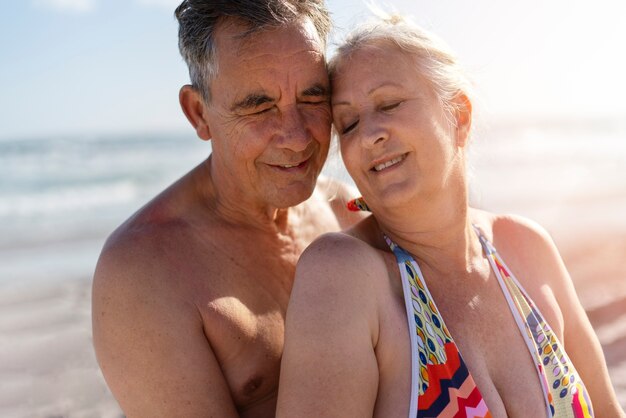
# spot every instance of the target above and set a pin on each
(269, 116)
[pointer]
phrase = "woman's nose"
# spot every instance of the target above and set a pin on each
(372, 132)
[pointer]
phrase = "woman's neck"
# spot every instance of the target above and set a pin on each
(438, 232)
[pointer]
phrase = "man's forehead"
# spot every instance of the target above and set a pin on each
(269, 64)
(235, 37)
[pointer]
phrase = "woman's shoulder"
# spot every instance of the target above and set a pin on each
(339, 276)
(342, 252)
(511, 230)
(532, 257)
(527, 248)
(337, 263)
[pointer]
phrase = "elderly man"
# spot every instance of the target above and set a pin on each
(190, 293)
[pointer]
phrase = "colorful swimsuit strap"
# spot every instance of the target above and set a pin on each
(522, 325)
(403, 257)
(565, 395)
(441, 384)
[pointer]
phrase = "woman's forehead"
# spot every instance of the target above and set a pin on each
(372, 65)
(373, 56)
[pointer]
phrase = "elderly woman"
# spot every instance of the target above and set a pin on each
(494, 325)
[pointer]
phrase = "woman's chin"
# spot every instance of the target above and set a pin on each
(392, 198)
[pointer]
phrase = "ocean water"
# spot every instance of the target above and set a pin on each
(562, 173)
(61, 196)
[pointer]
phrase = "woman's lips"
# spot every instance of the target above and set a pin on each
(388, 163)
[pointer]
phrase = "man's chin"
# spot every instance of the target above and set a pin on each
(293, 195)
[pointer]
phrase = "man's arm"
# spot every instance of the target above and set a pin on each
(149, 339)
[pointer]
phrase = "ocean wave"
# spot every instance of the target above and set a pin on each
(68, 199)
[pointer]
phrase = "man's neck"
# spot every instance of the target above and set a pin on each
(236, 208)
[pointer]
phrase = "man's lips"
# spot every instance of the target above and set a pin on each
(289, 165)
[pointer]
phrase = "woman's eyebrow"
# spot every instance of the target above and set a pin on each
(384, 85)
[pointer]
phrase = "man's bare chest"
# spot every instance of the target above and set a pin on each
(244, 321)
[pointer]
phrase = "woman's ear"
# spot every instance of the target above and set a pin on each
(463, 116)
(194, 108)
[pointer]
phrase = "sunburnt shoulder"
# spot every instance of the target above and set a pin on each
(143, 311)
(142, 258)
(155, 275)
(147, 246)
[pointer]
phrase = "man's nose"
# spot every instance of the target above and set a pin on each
(294, 134)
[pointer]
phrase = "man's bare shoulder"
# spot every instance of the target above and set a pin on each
(139, 265)
(152, 278)
(162, 239)
(142, 263)
(146, 311)
(138, 248)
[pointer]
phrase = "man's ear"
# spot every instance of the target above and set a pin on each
(194, 108)
(463, 116)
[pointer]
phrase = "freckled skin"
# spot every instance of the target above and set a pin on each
(190, 293)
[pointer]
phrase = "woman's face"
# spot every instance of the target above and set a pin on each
(396, 141)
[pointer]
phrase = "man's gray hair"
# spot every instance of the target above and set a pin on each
(198, 19)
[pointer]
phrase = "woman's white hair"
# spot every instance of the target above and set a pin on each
(435, 60)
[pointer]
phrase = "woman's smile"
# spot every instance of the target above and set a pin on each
(388, 162)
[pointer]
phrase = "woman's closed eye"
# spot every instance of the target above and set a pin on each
(349, 127)
(390, 106)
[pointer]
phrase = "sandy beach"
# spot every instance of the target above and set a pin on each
(48, 368)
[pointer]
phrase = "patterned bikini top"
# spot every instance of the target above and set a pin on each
(441, 385)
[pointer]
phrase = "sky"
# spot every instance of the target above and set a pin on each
(75, 67)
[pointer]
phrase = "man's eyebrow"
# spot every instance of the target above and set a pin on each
(317, 90)
(252, 101)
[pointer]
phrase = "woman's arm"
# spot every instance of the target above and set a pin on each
(580, 341)
(329, 366)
